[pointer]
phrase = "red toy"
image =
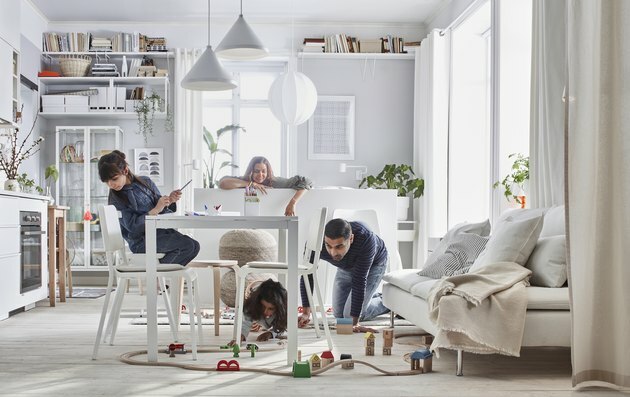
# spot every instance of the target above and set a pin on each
(225, 365)
(176, 348)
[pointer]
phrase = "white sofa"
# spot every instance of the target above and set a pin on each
(547, 321)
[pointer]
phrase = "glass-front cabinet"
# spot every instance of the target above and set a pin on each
(80, 188)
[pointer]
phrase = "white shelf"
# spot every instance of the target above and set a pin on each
(112, 54)
(100, 80)
(351, 55)
(105, 115)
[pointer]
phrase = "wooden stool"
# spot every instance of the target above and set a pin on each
(216, 266)
(57, 227)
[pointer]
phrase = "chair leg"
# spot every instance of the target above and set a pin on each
(309, 294)
(101, 322)
(69, 279)
(459, 371)
(216, 278)
(140, 286)
(198, 310)
(179, 298)
(322, 311)
(112, 323)
(191, 315)
(169, 310)
(240, 298)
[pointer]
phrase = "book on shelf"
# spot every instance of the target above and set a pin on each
(371, 46)
(87, 42)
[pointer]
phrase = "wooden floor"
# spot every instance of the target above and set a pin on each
(47, 352)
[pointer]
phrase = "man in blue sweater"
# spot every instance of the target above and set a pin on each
(361, 260)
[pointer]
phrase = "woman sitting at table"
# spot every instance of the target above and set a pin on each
(259, 175)
(135, 197)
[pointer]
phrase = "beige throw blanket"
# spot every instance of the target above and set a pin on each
(481, 312)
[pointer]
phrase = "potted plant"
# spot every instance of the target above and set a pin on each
(52, 175)
(145, 110)
(13, 153)
(212, 144)
(26, 184)
(514, 182)
(400, 177)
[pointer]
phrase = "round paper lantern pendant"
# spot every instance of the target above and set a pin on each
(292, 98)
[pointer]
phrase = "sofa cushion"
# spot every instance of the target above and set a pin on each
(481, 228)
(554, 222)
(540, 298)
(405, 278)
(459, 255)
(421, 290)
(548, 262)
(513, 241)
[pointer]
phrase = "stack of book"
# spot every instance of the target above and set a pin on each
(104, 70)
(394, 45)
(100, 44)
(314, 44)
(156, 44)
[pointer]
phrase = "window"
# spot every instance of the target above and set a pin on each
(489, 109)
(248, 107)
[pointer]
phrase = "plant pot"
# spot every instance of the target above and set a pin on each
(12, 185)
(402, 208)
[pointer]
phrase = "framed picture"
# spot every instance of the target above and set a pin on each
(150, 162)
(331, 129)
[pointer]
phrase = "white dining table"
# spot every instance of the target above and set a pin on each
(289, 252)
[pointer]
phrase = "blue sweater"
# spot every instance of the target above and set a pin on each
(367, 248)
(137, 201)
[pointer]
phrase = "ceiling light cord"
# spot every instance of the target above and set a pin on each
(209, 23)
(241, 14)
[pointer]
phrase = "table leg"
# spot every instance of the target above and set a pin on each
(61, 225)
(292, 293)
(151, 258)
(52, 257)
(216, 303)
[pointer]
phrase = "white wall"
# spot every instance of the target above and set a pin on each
(383, 115)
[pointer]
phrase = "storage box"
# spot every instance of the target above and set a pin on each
(252, 206)
(121, 95)
(98, 102)
(53, 103)
(77, 104)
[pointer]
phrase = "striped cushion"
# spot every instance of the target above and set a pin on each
(459, 256)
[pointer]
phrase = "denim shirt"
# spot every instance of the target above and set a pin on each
(140, 201)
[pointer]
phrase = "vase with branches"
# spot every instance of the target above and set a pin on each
(212, 143)
(14, 151)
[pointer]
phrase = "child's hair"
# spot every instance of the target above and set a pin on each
(274, 293)
(259, 160)
(113, 164)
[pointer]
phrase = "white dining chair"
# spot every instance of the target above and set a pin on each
(122, 269)
(308, 265)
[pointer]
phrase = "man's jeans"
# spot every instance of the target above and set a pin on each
(372, 303)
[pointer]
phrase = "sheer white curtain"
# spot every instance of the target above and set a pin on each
(546, 172)
(598, 176)
(188, 127)
(431, 95)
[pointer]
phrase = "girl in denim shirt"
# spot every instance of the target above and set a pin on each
(135, 197)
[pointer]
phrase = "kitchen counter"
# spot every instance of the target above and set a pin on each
(23, 195)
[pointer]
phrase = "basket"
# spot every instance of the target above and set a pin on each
(75, 65)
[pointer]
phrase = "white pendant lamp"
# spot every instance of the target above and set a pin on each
(292, 96)
(207, 74)
(241, 43)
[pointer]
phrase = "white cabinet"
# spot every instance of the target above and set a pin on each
(9, 82)
(79, 187)
(105, 103)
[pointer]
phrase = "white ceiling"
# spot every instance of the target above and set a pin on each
(258, 11)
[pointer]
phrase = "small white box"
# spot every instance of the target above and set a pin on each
(121, 95)
(130, 105)
(53, 100)
(77, 104)
(99, 102)
(252, 206)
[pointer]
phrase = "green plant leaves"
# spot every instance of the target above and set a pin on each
(212, 144)
(518, 175)
(400, 177)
